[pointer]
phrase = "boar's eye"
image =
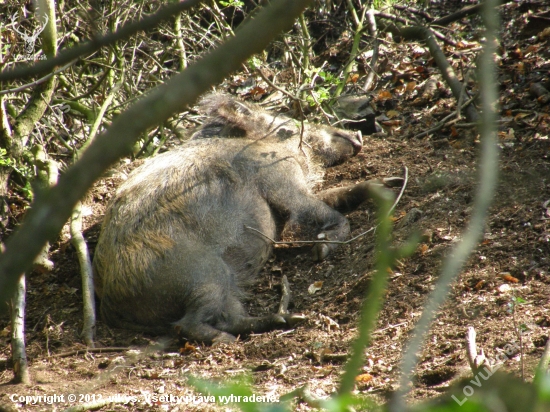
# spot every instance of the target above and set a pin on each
(243, 109)
(343, 135)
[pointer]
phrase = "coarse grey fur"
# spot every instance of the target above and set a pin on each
(174, 251)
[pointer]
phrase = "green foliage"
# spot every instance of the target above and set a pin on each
(346, 403)
(473, 405)
(26, 190)
(383, 4)
(518, 300)
(321, 92)
(486, 397)
(232, 3)
(4, 160)
(254, 63)
(25, 171)
(500, 392)
(318, 96)
(241, 388)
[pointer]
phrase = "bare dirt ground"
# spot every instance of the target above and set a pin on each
(511, 265)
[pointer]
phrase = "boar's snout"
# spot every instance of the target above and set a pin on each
(345, 144)
(357, 142)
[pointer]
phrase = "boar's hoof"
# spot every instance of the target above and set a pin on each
(293, 319)
(223, 337)
(393, 181)
(320, 251)
(286, 320)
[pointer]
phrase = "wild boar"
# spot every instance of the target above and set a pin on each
(175, 250)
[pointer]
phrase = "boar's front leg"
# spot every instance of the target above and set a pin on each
(309, 217)
(329, 223)
(348, 198)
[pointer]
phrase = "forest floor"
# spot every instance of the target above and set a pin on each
(504, 287)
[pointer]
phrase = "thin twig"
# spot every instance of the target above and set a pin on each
(37, 82)
(519, 335)
(99, 118)
(375, 49)
(292, 242)
(271, 84)
(88, 350)
(403, 187)
(445, 121)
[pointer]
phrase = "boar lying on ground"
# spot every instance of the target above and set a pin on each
(175, 251)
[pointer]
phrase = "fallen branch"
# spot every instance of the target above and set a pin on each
(475, 360)
(285, 296)
(334, 357)
(391, 17)
(92, 406)
(88, 350)
(39, 81)
(445, 122)
(466, 11)
(415, 11)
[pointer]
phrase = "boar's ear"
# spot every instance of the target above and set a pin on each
(219, 127)
(226, 117)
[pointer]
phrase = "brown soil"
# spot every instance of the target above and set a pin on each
(511, 262)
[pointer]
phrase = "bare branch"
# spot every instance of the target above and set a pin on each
(86, 273)
(37, 82)
(285, 296)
